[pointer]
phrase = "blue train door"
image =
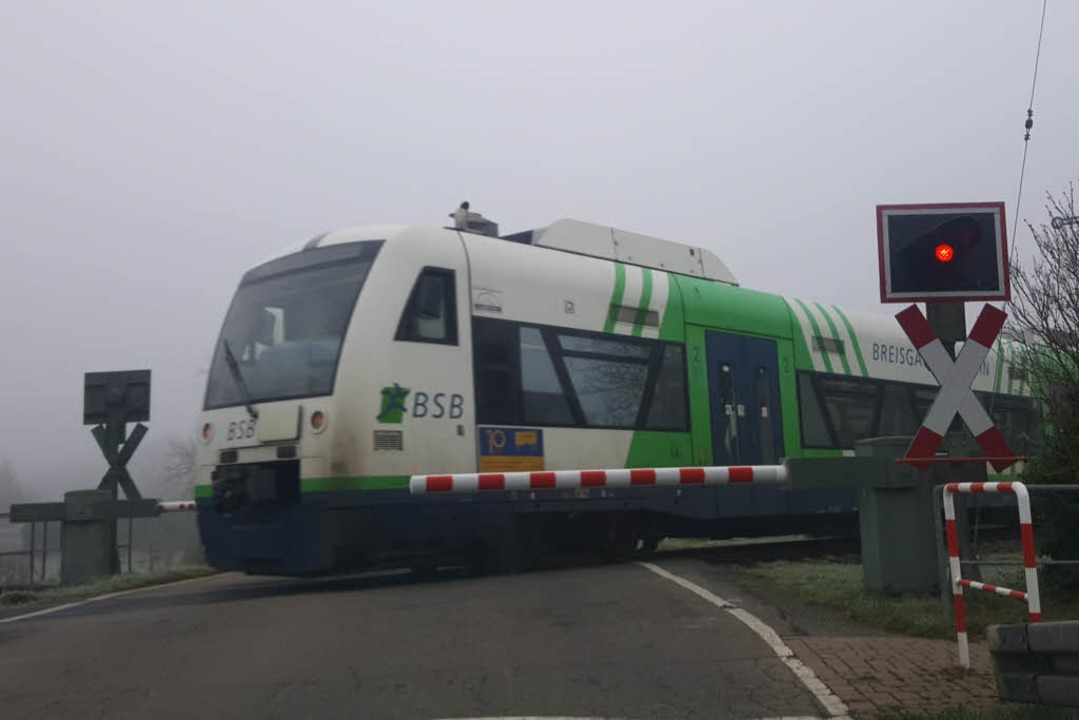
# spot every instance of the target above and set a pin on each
(743, 385)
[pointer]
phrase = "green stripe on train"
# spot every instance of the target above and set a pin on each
(816, 333)
(853, 339)
(642, 306)
(835, 336)
(368, 482)
(616, 299)
(334, 484)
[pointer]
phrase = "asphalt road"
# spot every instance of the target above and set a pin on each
(612, 641)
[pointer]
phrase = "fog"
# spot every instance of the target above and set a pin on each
(151, 152)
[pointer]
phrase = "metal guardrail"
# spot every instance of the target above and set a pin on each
(38, 572)
(1030, 562)
(1026, 530)
(31, 551)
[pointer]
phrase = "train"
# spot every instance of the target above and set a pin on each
(360, 357)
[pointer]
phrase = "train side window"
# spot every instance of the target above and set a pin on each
(668, 406)
(816, 428)
(852, 407)
(897, 414)
(540, 375)
(544, 398)
(608, 377)
(431, 312)
(1017, 418)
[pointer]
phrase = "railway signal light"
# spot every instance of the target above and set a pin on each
(939, 253)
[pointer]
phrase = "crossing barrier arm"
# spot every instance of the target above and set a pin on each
(615, 478)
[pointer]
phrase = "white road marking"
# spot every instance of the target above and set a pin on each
(65, 606)
(560, 717)
(835, 707)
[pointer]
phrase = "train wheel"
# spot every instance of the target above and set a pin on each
(648, 545)
(620, 540)
(650, 538)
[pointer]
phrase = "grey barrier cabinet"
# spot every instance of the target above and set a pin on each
(895, 514)
(89, 536)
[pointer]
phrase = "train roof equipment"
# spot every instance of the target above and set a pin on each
(608, 243)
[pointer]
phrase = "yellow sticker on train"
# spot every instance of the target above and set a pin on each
(505, 449)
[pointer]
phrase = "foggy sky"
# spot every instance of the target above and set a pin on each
(150, 152)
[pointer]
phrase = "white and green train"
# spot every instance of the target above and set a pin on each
(364, 356)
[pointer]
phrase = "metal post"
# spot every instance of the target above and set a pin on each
(130, 542)
(33, 533)
(943, 576)
(956, 574)
(44, 548)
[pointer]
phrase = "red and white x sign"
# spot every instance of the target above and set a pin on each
(955, 378)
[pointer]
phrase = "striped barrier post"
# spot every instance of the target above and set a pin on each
(576, 479)
(175, 506)
(1026, 530)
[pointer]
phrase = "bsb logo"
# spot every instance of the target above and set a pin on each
(437, 405)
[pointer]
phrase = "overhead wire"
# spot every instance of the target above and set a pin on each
(1028, 125)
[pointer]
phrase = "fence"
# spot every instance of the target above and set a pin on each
(30, 552)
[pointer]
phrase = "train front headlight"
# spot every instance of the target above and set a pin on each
(318, 421)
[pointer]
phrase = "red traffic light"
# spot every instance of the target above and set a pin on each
(944, 252)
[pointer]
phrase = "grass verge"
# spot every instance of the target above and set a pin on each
(30, 596)
(840, 587)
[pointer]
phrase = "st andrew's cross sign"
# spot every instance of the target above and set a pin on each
(955, 378)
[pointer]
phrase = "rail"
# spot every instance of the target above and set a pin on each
(577, 479)
(1026, 530)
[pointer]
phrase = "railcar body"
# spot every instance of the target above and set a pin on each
(363, 356)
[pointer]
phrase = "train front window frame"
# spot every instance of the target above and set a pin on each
(287, 324)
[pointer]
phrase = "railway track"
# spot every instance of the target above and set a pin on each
(840, 548)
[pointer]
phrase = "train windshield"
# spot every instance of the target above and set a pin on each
(284, 330)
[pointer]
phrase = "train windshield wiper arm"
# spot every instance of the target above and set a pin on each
(238, 377)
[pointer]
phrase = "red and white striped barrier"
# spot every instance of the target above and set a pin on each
(575, 479)
(175, 506)
(1026, 530)
(955, 378)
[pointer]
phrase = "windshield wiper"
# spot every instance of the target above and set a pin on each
(238, 377)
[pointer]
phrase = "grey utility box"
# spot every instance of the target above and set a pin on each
(895, 512)
(89, 536)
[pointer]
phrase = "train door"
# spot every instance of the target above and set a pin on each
(743, 385)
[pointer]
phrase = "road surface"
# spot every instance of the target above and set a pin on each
(617, 641)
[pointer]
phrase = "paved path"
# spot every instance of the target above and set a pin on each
(881, 675)
(614, 641)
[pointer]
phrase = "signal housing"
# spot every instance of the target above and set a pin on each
(942, 252)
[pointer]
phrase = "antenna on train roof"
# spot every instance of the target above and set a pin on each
(467, 221)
